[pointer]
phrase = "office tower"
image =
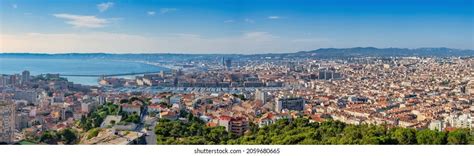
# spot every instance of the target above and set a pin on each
(29, 95)
(162, 73)
(261, 95)
(7, 121)
(329, 75)
(14, 79)
(21, 120)
(228, 64)
(322, 75)
(223, 61)
(236, 125)
(3, 81)
(290, 103)
(470, 87)
(25, 77)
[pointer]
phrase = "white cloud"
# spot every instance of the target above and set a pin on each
(273, 17)
(167, 10)
(247, 42)
(105, 6)
(184, 35)
(259, 36)
(311, 40)
(151, 13)
(79, 21)
(14, 6)
(248, 20)
(229, 21)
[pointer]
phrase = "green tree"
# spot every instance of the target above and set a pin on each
(93, 133)
(68, 136)
(459, 136)
(430, 137)
(405, 136)
(124, 101)
(48, 138)
(300, 131)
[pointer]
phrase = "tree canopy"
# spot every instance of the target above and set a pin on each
(301, 131)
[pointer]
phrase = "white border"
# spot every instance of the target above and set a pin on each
(285, 150)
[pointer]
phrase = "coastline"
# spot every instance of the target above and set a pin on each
(46, 65)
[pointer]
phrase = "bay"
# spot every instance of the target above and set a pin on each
(38, 66)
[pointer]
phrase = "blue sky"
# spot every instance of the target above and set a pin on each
(231, 26)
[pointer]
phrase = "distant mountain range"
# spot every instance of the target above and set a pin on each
(384, 52)
(319, 53)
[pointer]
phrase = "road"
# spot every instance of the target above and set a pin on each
(151, 136)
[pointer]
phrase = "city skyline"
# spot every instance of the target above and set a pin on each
(247, 27)
(238, 77)
(207, 99)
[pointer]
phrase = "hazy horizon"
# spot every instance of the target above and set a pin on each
(214, 53)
